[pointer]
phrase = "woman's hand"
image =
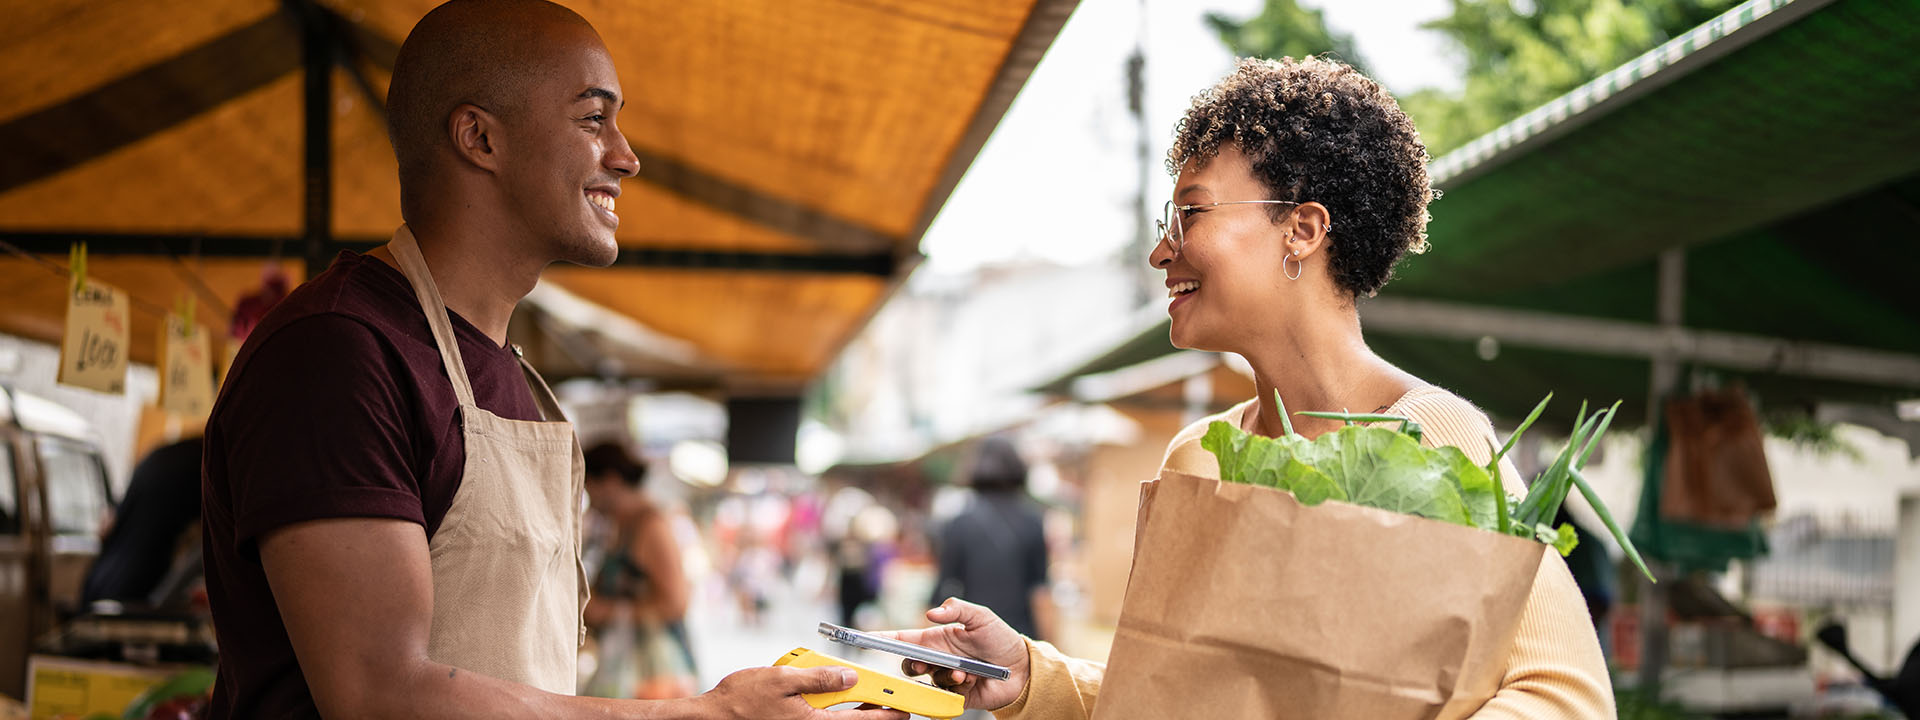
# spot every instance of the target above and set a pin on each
(974, 631)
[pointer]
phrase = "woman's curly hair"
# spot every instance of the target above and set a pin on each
(1318, 130)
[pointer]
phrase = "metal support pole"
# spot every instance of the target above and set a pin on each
(1670, 305)
(317, 47)
(1143, 239)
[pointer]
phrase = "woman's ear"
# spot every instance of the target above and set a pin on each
(1310, 223)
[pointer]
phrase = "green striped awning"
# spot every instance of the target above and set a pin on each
(1778, 146)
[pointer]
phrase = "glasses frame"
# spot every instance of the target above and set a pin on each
(1170, 229)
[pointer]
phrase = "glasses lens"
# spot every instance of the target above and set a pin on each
(1170, 226)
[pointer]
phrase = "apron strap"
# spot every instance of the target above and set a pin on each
(542, 395)
(414, 266)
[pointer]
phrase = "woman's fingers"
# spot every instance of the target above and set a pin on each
(943, 677)
(968, 615)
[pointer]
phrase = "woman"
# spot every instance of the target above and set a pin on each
(640, 590)
(1299, 185)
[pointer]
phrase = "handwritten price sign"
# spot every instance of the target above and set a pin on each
(186, 369)
(93, 351)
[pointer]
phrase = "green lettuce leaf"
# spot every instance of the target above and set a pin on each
(1372, 466)
(1562, 538)
(1381, 468)
(1269, 462)
(1386, 467)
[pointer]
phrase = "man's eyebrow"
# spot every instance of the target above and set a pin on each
(601, 93)
(1190, 190)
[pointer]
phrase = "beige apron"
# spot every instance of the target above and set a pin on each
(508, 584)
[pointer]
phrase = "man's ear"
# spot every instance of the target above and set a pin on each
(1311, 223)
(476, 136)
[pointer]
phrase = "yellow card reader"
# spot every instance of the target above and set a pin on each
(878, 688)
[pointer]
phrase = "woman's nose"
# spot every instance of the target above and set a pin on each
(1162, 254)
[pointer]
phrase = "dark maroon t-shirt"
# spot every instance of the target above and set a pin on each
(337, 406)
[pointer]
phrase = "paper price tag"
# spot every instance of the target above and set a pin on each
(93, 350)
(186, 369)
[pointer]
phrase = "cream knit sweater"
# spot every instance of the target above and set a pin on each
(1555, 671)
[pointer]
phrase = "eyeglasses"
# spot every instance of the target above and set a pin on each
(1171, 229)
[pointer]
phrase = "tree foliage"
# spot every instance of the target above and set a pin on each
(1284, 29)
(1518, 54)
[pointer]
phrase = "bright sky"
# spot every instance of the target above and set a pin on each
(1056, 180)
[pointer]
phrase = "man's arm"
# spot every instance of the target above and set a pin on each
(356, 595)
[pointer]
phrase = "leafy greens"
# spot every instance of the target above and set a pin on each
(1387, 468)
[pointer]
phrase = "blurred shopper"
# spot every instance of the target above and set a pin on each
(640, 587)
(1300, 184)
(853, 561)
(994, 553)
(143, 549)
(392, 498)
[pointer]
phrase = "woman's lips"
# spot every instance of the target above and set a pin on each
(1179, 291)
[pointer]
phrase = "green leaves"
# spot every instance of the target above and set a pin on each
(1371, 466)
(1387, 468)
(1271, 462)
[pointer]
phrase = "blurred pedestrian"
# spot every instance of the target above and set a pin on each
(852, 559)
(994, 553)
(640, 588)
(144, 547)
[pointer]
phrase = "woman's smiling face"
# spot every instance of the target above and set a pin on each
(1226, 278)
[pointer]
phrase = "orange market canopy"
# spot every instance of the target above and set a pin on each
(793, 153)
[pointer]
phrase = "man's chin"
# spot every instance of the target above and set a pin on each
(597, 252)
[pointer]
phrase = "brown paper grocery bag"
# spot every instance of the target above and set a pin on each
(1245, 604)
(1717, 472)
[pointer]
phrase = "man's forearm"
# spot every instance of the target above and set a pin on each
(435, 691)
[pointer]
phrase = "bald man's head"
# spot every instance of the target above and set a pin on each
(485, 53)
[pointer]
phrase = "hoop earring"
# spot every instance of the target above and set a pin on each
(1298, 265)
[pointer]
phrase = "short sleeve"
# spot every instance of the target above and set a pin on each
(316, 426)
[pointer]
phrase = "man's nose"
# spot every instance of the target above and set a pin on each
(620, 158)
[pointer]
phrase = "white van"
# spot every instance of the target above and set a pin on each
(54, 500)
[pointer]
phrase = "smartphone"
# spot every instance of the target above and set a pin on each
(911, 651)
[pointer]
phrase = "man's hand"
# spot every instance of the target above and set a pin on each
(357, 598)
(975, 632)
(773, 693)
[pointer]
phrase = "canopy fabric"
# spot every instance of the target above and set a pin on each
(1775, 146)
(792, 152)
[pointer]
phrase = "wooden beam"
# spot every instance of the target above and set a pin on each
(877, 264)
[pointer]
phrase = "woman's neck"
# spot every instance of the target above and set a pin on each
(1320, 362)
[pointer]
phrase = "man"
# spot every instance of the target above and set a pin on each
(994, 553)
(391, 498)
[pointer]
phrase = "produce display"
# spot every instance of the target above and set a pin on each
(181, 697)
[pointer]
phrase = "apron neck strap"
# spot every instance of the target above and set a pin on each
(414, 266)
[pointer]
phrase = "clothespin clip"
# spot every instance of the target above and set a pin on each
(77, 266)
(184, 310)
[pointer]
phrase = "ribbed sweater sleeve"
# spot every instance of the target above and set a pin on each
(1556, 670)
(1058, 687)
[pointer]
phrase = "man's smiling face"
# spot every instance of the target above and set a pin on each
(565, 152)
